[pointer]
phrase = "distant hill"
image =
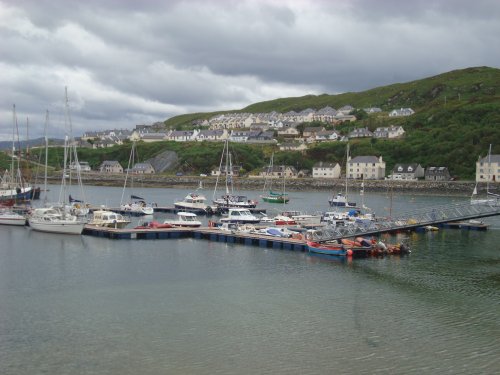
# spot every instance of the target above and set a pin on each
(453, 89)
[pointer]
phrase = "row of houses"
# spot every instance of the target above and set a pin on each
(277, 120)
(290, 133)
(359, 167)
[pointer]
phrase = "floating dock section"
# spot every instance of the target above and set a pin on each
(202, 233)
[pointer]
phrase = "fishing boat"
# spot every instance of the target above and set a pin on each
(274, 196)
(229, 199)
(108, 219)
(137, 206)
(341, 199)
(184, 219)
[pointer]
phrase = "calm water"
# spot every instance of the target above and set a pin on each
(84, 305)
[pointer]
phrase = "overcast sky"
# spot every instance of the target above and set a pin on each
(128, 62)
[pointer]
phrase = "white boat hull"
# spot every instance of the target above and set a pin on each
(64, 227)
(12, 219)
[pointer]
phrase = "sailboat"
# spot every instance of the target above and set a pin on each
(342, 200)
(13, 187)
(137, 205)
(273, 196)
(55, 218)
(229, 199)
(491, 198)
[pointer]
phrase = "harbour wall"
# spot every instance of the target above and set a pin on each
(459, 188)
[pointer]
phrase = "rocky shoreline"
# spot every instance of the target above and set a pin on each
(457, 188)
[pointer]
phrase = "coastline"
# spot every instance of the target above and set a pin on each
(456, 188)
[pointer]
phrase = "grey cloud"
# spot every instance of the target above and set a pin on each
(129, 61)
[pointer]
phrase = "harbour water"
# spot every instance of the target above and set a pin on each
(85, 305)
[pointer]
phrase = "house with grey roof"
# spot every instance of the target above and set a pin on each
(110, 166)
(312, 131)
(277, 171)
(326, 135)
(366, 167)
(360, 133)
(153, 137)
(212, 135)
(437, 174)
(326, 170)
(142, 168)
(183, 135)
(411, 171)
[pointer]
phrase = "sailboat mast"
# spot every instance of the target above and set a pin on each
(14, 124)
(220, 168)
(346, 168)
(489, 171)
(46, 157)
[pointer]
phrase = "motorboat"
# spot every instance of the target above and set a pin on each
(240, 216)
(184, 219)
(108, 219)
(340, 200)
(234, 201)
(193, 202)
(55, 220)
(138, 207)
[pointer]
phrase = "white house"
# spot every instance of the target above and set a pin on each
(488, 169)
(401, 112)
(366, 167)
(389, 132)
(326, 170)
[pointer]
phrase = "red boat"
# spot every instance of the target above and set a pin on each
(154, 225)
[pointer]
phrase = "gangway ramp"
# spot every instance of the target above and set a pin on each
(412, 219)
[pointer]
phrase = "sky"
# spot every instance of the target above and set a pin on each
(129, 62)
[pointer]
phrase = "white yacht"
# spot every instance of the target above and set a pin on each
(55, 220)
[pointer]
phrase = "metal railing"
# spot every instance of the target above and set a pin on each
(412, 219)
